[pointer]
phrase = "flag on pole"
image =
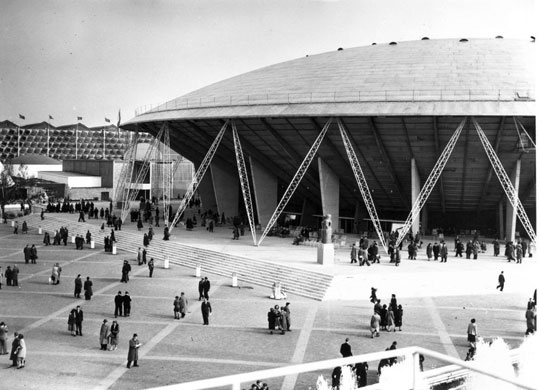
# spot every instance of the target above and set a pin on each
(50, 117)
(119, 121)
(79, 118)
(22, 116)
(107, 120)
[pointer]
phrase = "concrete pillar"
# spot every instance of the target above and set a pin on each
(329, 191)
(265, 192)
(499, 218)
(357, 218)
(226, 187)
(206, 192)
(416, 188)
(510, 212)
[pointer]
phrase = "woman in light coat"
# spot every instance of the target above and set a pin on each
(21, 352)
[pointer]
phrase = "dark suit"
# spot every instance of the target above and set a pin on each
(79, 316)
(206, 310)
(346, 350)
(118, 302)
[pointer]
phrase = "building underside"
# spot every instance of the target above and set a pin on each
(467, 195)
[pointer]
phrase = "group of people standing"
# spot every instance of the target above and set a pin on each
(384, 317)
(11, 275)
(279, 317)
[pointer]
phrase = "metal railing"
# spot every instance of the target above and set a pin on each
(389, 95)
(412, 353)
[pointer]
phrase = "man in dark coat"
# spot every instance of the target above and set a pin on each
(33, 254)
(201, 289)
(206, 311)
(88, 291)
(26, 252)
(118, 303)
(436, 250)
(443, 253)
(132, 355)
(501, 281)
(127, 304)
(206, 288)
(126, 268)
(346, 349)
(79, 317)
(78, 286)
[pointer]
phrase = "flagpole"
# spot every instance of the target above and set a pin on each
(103, 143)
(48, 149)
(18, 141)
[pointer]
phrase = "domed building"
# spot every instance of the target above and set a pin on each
(399, 103)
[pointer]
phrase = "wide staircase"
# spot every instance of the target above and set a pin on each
(294, 280)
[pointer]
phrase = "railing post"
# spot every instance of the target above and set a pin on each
(236, 386)
(416, 371)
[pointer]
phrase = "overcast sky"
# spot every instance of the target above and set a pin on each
(91, 58)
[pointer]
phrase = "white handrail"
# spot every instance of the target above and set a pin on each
(410, 352)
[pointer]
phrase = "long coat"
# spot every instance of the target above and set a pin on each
(134, 345)
(78, 285)
(21, 350)
(104, 333)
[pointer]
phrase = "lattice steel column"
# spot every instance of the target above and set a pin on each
(131, 193)
(198, 176)
(431, 182)
(362, 184)
(127, 171)
(244, 180)
(295, 180)
(166, 172)
(508, 187)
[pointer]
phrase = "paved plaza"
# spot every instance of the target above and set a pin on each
(438, 301)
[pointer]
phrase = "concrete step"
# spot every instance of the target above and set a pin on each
(294, 280)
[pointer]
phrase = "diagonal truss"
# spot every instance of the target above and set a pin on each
(131, 192)
(244, 180)
(362, 184)
(166, 172)
(120, 195)
(508, 187)
(198, 177)
(295, 181)
(520, 127)
(430, 183)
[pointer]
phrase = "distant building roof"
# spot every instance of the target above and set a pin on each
(36, 159)
(7, 125)
(41, 125)
(79, 126)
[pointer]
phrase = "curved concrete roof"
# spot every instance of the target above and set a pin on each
(426, 77)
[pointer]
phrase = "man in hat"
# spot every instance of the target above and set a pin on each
(501, 281)
(132, 355)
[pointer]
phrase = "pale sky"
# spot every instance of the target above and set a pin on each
(90, 58)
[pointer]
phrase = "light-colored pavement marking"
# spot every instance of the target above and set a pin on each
(289, 381)
(439, 325)
(118, 372)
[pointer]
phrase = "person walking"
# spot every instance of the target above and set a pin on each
(346, 349)
(127, 304)
(354, 254)
(184, 304)
(531, 319)
(56, 272)
(104, 335)
(375, 324)
(114, 334)
(472, 333)
(501, 281)
(443, 252)
(151, 266)
(88, 291)
(206, 311)
(79, 317)
(398, 318)
(132, 354)
(118, 303)
(201, 289)
(78, 286)
(206, 288)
